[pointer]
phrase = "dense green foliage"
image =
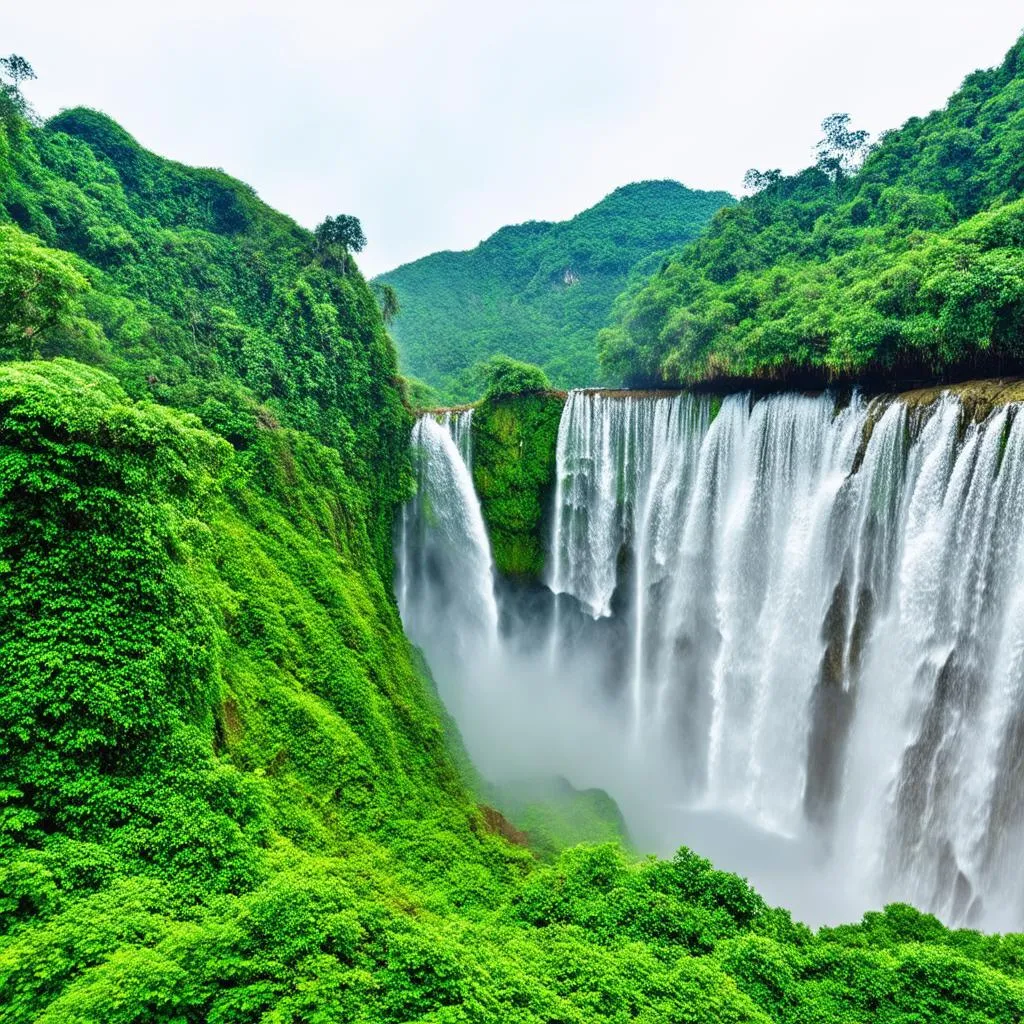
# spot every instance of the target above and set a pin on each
(420, 395)
(506, 376)
(910, 267)
(38, 292)
(514, 446)
(193, 293)
(209, 707)
(228, 793)
(537, 291)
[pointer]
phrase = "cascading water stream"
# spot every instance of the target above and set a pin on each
(803, 620)
(459, 423)
(445, 583)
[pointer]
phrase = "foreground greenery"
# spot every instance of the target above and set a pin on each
(228, 795)
(537, 291)
(908, 267)
(227, 791)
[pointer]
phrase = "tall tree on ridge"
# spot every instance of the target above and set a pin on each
(17, 69)
(839, 150)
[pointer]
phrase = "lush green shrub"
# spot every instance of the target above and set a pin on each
(39, 294)
(506, 376)
(555, 815)
(420, 395)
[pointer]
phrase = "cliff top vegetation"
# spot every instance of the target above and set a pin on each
(897, 261)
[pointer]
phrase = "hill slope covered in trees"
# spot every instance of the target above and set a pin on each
(907, 267)
(537, 291)
(227, 791)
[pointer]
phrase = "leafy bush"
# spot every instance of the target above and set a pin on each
(507, 376)
(39, 294)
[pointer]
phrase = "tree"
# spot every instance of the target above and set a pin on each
(387, 299)
(757, 181)
(344, 231)
(12, 107)
(839, 150)
(17, 69)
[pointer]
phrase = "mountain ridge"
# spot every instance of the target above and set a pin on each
(539, 290)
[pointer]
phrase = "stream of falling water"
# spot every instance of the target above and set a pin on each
(772, 621)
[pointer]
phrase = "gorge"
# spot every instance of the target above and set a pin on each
(324, 703)
(785, 631)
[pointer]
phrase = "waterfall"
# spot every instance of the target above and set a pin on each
(459, 423)
(445, 574)
(799, 618)
(622, 467)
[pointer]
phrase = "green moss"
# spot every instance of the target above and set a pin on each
(514, 444)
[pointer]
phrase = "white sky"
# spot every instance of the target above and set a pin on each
(436, 123)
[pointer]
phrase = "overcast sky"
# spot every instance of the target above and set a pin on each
(436, 123)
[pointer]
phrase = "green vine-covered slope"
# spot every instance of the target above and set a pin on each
(910, 268)
(537, 291)
(192, 293)
(214, 735)
(228, 793)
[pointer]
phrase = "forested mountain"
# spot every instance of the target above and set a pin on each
(228, 792)
(537, 291)
(908, 266)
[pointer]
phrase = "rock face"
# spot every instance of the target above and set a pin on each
(499, 825)
(978, 397)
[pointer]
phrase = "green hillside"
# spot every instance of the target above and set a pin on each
(192, 292)
(228, 793)
(537, 291)
(909, 267)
